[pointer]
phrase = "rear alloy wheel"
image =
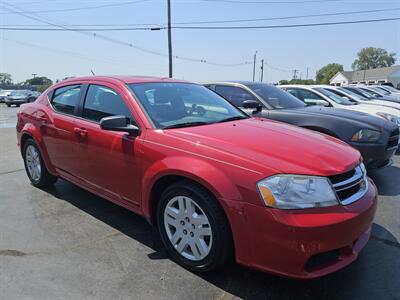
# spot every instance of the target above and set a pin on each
(193, 227)
(35, 167)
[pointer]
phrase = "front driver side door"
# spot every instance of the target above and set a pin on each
(109, 161)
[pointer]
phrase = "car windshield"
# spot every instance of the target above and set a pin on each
(354, 95)
(359, 92)
(390, 88)
(173, 105)
(275, 97)
(371, 92)
(18, 93)
(379, 91)
(383, 90)
(334, 97)
(4, 93)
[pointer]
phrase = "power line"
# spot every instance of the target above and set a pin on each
(113, 40)
(226, 21)
(271, 2)
(285, 26)
(76, 54)
(65, 28)
(83, 8)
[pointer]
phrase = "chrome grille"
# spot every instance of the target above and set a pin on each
(350, 186)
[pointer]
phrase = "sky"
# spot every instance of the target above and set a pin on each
(59, 54)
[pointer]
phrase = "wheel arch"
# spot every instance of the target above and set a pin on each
(31, 132)
(173, 169)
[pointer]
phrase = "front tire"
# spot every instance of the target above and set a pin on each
(193, 227)
(35, 167)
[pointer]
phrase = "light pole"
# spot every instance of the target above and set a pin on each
(254, 66)
(169, 39)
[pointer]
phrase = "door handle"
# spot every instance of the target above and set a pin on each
(80, 131)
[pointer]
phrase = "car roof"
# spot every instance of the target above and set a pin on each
(125, 79)
(239, 82)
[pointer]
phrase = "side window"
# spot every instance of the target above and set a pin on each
(66, 98)
(306, 96)
(234, 95)
(101, 101)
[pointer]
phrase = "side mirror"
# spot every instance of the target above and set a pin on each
(118, 123)
(252, 104)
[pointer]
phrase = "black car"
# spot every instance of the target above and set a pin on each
(18, 97)
(375, 138)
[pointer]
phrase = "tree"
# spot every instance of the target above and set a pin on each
(39, 81)
(371, 58)
(327, 72)
(5, 79)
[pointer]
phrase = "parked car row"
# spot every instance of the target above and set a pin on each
(217, 183)
(17, 97)
(366, 127)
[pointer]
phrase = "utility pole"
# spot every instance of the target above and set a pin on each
(34, 75)
(307, 74)
(295, 73)
(262, 70)
(254, 66)
(169, 39)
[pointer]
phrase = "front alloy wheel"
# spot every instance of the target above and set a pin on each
(193, 227)
(188, 228)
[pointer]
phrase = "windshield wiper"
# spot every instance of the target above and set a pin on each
(235, 118)
(186, 124)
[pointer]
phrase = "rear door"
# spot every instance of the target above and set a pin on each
(108, 159)
(58, 130)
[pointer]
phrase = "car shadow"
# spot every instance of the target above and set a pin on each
(373, 275)
(387, 180)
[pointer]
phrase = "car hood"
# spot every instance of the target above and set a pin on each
(383, 103)
(269, 147)
(373, 109)
(361, 119)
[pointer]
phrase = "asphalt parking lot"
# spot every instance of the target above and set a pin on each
(66, 243)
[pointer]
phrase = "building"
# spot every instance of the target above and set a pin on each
(372, 76)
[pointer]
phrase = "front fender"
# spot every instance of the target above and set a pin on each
(195, 169)
(35, 134)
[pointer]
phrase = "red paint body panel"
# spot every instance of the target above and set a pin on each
(226, 158)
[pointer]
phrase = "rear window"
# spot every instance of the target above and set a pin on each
(65, 99)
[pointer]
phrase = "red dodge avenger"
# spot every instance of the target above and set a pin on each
(218, 184)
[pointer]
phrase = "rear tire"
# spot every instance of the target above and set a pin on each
(8, 105)
(193, 227)
(35, 167)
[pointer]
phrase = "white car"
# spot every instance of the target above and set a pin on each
(353, 97)
(317, 95)
(391, 90)
(4, 94)
(379, 93)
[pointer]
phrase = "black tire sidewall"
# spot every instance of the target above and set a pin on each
(213, 259)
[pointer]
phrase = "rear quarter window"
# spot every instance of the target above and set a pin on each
(65, 99)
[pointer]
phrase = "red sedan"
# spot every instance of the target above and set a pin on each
(215, 182)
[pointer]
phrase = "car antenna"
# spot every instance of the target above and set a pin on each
(92, 73)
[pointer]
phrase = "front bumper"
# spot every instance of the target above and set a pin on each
(16, 101)
(375, 156)
(302, 244)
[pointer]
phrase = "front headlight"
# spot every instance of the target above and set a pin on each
(366, 135)
(297, 192)
(389, 117)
